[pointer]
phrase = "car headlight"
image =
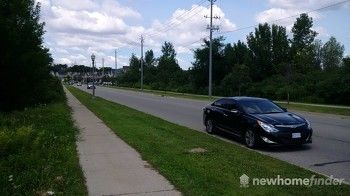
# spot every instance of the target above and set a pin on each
(308, 124)
(268, 128)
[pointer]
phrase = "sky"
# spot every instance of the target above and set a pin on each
(77, 28)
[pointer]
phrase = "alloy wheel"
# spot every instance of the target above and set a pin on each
(250, 138)
(209, 126)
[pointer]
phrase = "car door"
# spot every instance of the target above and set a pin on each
(232, 116)
(218, 114)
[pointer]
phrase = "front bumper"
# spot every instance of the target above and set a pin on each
(285, 138)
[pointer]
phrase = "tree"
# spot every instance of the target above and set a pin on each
(260, 45)
(237, 54)
(200, 70)
(149, 69)
(24, 60)
(132, 76)
(332, 54)
(149, 58)
(168, 70)
(235, 80)
(303, 37)
(280, 45)
(317, 48)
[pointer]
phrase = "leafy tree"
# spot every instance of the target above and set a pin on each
(234, 81)
(132, 76)
(237, 54)
(332, 54)
(168, 68)
(149, 69)
(280, 45)
(260, 45)
(200, 70)
(149, 58)
(24, 60)
(317, 48)
(303, 37)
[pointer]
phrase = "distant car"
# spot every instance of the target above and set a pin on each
(79, 84)
(257, 121)
(107, 83)
(90, 86)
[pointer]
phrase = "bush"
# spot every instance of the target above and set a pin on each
(12, 141)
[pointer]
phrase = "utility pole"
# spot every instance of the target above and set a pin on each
(115, 62)
(142, 40)
(103, 68)
(211, 29)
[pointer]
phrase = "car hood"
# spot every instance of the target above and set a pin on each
(285, 118)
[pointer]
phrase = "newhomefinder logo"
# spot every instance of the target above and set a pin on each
(279, 181)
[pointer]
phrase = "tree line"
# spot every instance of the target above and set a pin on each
(268, 64)
(25, 79)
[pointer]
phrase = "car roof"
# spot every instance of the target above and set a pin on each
(244, 98)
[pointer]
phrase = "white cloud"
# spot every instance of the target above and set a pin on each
(75, 29)
(187, 27)
(285, 8)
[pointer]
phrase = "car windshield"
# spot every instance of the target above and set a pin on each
(260, 107)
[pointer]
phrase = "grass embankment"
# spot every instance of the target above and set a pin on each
(328, 109)
(216, 172)
(38, 152)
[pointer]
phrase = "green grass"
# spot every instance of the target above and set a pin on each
(37, 148)
(291, 106)
(166, 147)
(170, 93)
(318, 109)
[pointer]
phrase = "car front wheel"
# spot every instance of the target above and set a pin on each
(251, 139)
(209, 126)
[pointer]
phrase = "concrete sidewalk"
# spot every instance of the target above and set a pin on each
(110, 166)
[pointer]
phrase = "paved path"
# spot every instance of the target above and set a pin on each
(110, 166)
(328, 154)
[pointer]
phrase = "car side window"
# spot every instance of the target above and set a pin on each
(219, 103)
(230, 104)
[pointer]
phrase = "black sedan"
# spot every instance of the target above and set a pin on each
(257, 121)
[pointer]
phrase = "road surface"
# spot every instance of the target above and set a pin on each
(329, 153)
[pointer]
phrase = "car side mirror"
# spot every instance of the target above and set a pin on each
(285, 109)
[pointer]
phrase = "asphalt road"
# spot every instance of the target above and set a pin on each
(329, 153)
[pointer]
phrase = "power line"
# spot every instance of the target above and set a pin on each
(292, 16)
(191, 43)
(175, 23)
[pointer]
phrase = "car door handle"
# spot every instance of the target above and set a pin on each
(225, 115)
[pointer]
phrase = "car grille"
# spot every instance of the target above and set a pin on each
(285, 134)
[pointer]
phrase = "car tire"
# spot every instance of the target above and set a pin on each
(209, 126)
(251, 139)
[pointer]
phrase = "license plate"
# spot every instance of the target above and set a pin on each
(296, 135)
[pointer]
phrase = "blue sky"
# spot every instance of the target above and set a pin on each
(75, 29)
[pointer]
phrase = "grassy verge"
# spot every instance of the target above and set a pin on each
(170, 93)
(291, 106)
(318, 109)
(38, 152)
(216, 172)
